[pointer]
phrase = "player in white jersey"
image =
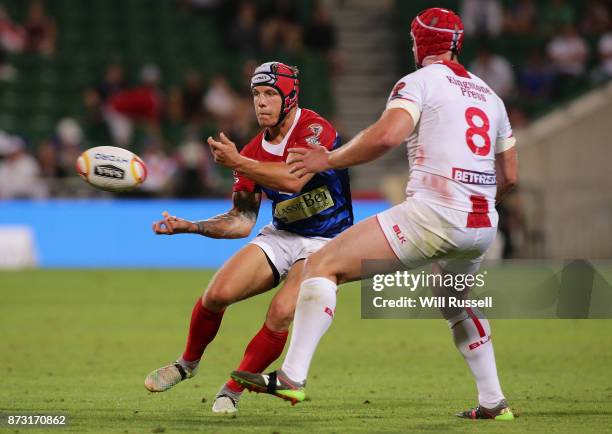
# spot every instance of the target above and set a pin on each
(462, 160)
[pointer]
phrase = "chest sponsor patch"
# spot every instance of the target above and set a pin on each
(472, 177)
(303, 206)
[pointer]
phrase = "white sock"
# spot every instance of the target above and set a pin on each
(313, 316)
(472, 336)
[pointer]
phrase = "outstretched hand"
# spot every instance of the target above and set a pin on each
(171, 225)
(303, 161)
(224, 151)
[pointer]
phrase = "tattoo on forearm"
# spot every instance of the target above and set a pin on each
(220, 226)
(237, 222)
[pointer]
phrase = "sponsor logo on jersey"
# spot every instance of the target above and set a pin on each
(316, 129)
(113, 158)
(470, 89)
(472, 177)
(468, 85)
(303, 206)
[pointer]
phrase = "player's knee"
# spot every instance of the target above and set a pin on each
(342, 278)
(280, 315)
(217, 297)
(319, 265)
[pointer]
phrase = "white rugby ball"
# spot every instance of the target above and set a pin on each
(112, 169)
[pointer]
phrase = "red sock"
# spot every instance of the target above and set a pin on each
(265, 347)
(202, 330)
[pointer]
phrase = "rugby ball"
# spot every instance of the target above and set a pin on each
(110, 168)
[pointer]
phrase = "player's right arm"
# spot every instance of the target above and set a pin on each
(273, 175)
(236, 223)
(394, 126)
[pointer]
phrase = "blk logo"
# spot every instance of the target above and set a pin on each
(476, 344)
(399, 234)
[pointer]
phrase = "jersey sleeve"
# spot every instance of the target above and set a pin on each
(505, 137)
(408, 94)
(241, 182)
(316, 131)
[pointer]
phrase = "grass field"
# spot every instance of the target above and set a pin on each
(80, 343)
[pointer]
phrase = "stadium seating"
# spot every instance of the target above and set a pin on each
(133, 32)
(513, 47)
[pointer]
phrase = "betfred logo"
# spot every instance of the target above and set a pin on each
(398, 233)
(472, 177)
(109, 171)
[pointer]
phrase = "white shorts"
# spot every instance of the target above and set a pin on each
(284, 249)
(420, 232)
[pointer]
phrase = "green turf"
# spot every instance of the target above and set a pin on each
(81, 342)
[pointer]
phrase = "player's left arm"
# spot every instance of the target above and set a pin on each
(506, 172)
(276, 176)
(273, 175)
(506, 159)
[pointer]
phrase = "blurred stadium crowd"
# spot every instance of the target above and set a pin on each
(165, 119)
(182, 71)
(564, 48)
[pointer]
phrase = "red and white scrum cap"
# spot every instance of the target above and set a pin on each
(436, 31)
(284, 79)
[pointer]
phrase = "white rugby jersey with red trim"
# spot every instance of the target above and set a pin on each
(460, 125)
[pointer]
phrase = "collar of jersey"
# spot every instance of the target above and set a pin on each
(279, 149)
(456, 67)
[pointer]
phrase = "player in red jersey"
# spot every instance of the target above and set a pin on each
(307, 212)
(462, 161)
